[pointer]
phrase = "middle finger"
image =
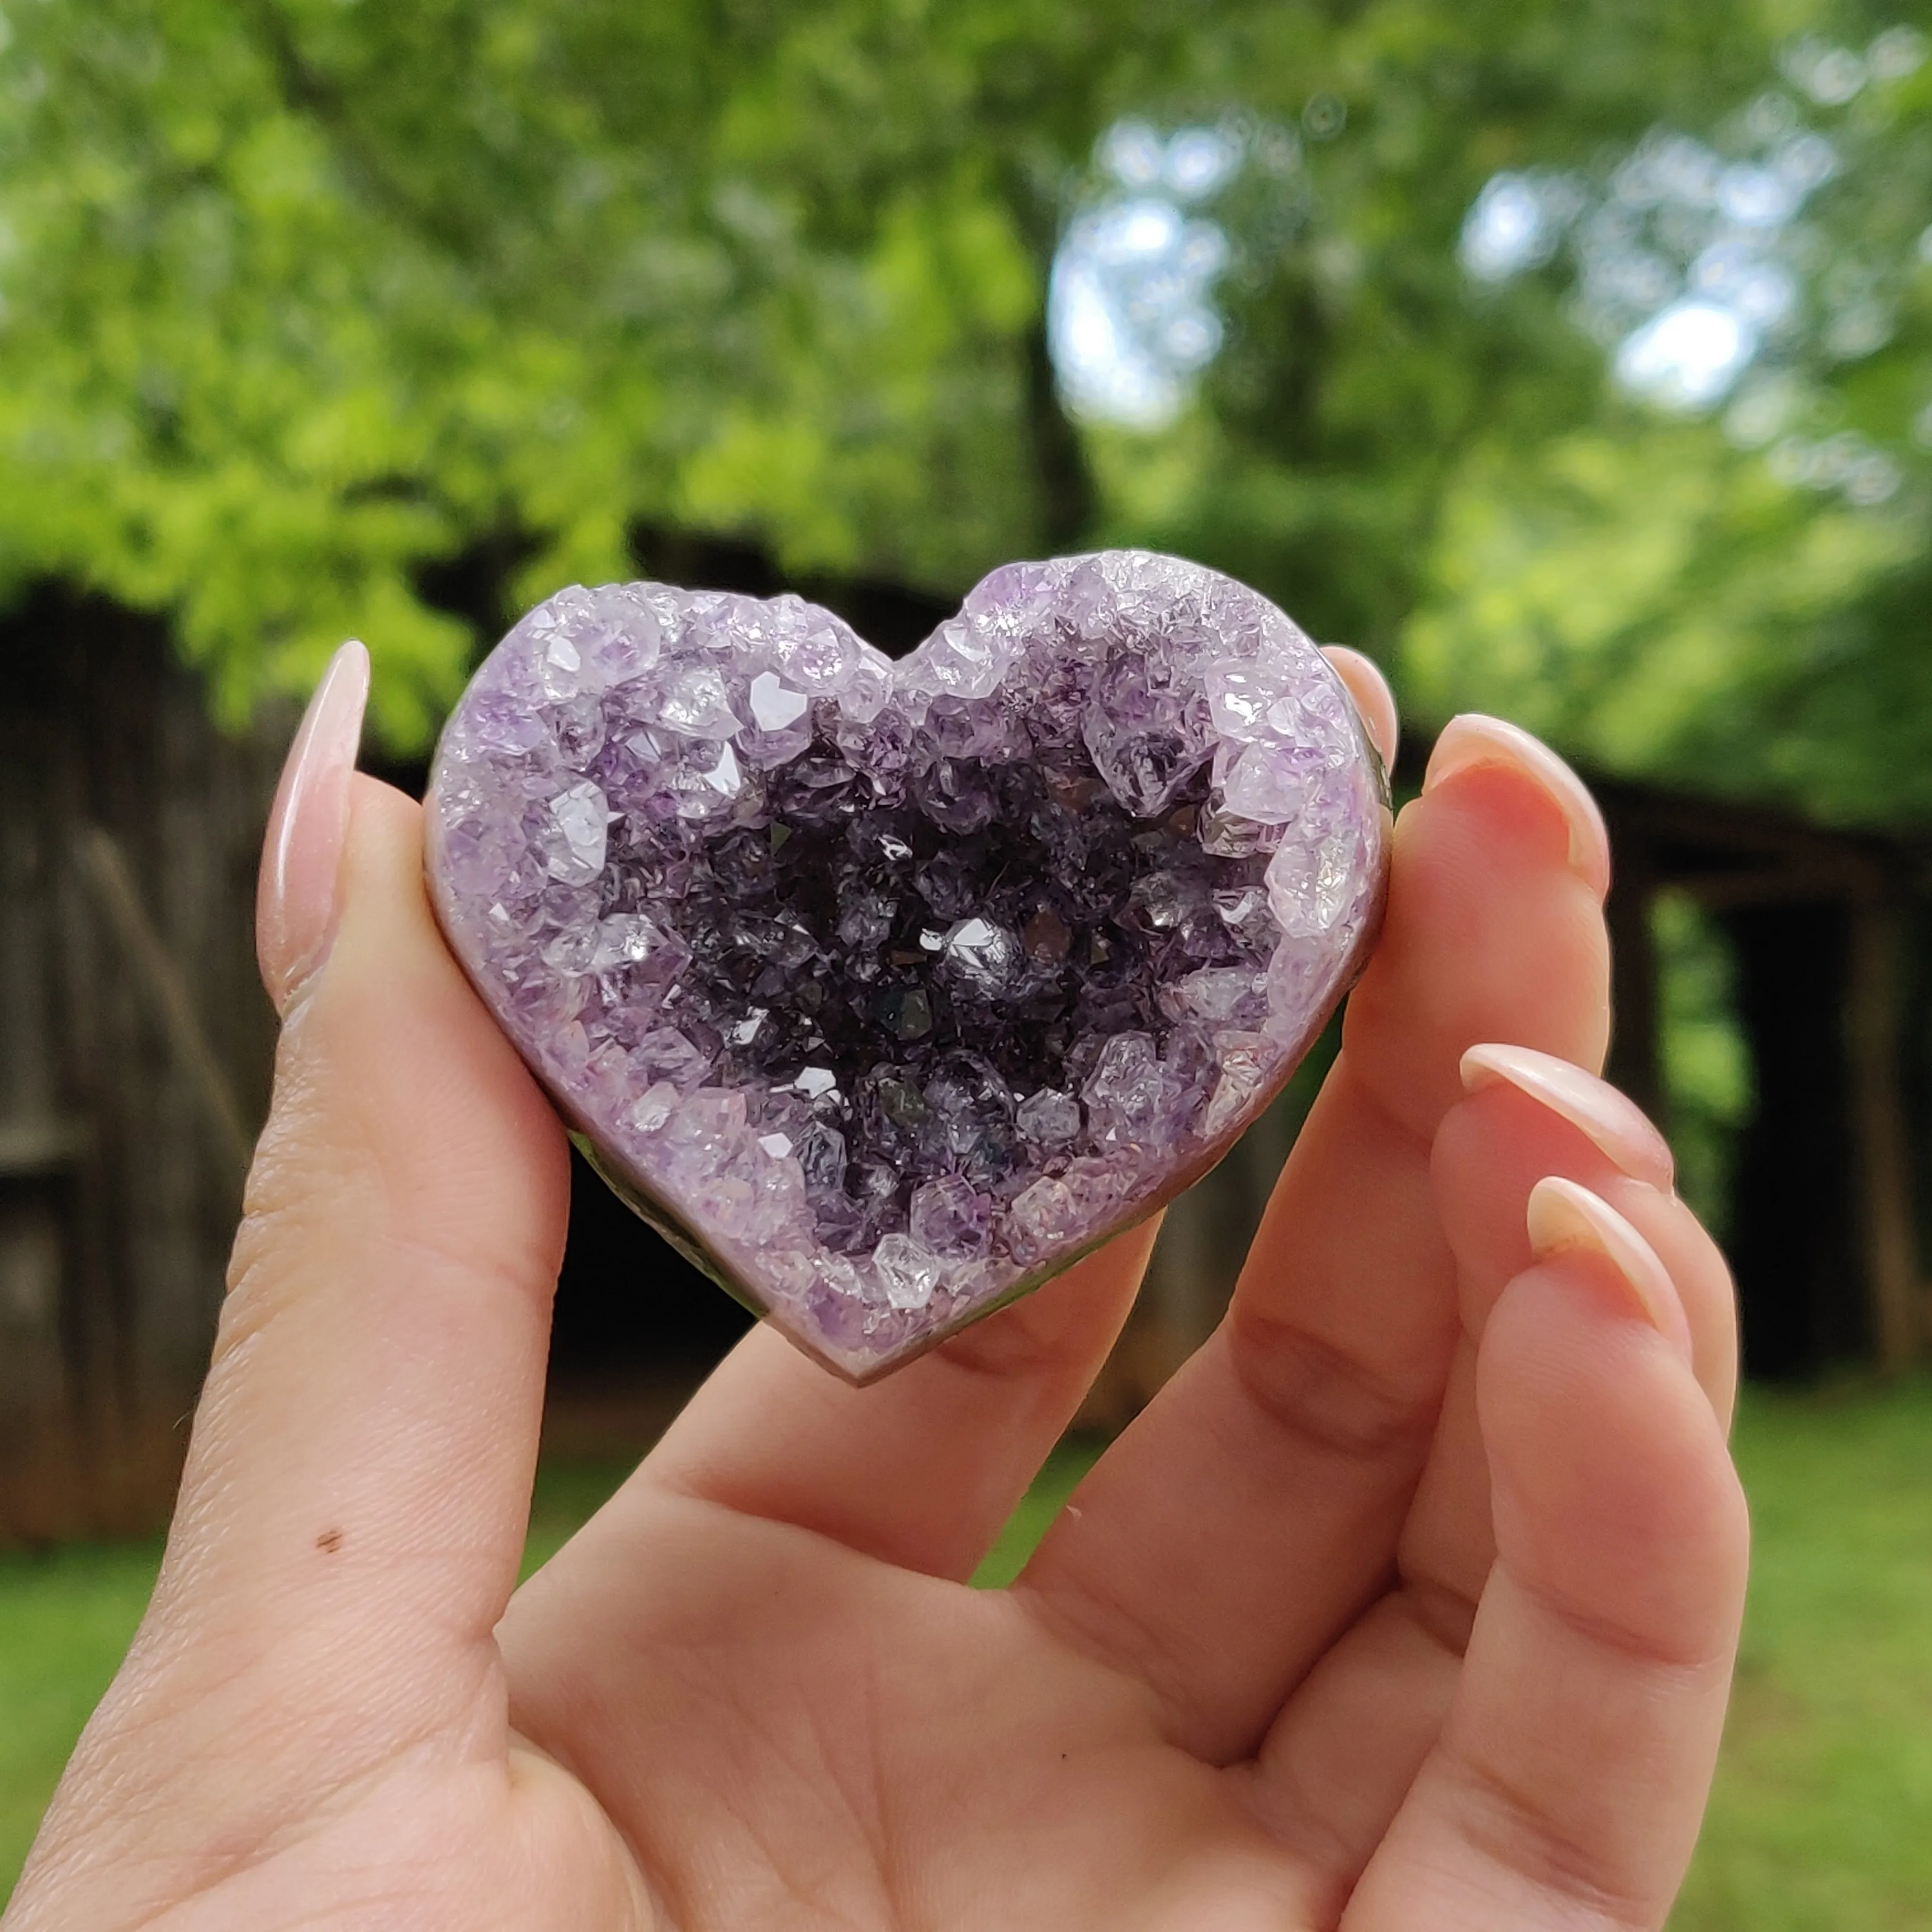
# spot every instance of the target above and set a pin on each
(1252, 1511)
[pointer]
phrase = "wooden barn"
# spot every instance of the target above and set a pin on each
(134, 1050)
(135, 1046)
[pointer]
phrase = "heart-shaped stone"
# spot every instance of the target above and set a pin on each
(885, 991)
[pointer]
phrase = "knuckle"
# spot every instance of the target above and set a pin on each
(1326, 1394)
(1518, 1830)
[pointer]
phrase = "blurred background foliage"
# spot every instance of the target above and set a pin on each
(1573, 360)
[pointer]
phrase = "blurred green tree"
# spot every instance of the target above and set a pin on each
(1734, 588)
(306, 300)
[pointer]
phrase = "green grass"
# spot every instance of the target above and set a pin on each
(568, 1494)
(65, 1618)
(1822, 1821)
(1822, 1815)
(1037, 1509)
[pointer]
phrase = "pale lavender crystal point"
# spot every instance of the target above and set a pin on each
(888, 991)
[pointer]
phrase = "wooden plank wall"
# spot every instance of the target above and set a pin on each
(129, 830)
(1833, 1170)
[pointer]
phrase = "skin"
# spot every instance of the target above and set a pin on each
(1411, 1603)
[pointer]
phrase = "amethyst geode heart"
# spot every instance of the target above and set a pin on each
(884, 991)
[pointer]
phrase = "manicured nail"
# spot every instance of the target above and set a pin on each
(1472, 739)
(1374, 702)
(1564, 1218)
(1619, 1127)
(295, 903)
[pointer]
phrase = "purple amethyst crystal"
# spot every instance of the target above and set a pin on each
(886, 991)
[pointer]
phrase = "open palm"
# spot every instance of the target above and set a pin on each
(1409, 1603)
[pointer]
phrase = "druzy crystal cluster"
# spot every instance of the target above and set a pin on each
(886, 991)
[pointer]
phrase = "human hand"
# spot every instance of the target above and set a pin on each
(1411, 1602)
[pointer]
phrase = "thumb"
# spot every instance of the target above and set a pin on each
(354, 1505)
(368, 1430)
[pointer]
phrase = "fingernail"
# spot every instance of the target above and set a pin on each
(1617, 1125)
(1472, 739)
(1564, 1218)
(1374, 702)
(301, 856)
